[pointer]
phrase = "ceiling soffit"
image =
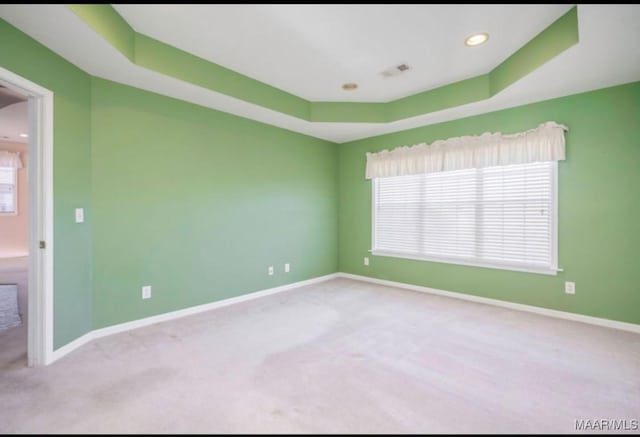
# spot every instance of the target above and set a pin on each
(165, 59)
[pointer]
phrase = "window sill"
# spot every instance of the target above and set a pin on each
(542, 271)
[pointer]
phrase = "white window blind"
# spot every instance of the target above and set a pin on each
(8, 204)
(500, 216)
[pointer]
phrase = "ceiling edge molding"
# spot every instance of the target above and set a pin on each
(163, 58)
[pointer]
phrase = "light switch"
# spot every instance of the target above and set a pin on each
(79, 215)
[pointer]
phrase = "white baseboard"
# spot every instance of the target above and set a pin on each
(109, 330)
(127, 326)
(514, 306)
(73, 345)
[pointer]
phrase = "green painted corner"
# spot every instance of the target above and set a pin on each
(155, 55)
(223, 199)
(109, 24)
(559, 36)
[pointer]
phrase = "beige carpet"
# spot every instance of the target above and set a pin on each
(338, 357)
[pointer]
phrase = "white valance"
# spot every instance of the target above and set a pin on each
(10, 159)
(544, 143)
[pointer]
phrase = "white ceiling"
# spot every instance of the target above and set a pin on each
(13, 115)
(311, 50)
(607, 55)
(14, 121)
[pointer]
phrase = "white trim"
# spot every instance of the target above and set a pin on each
(483, 264)
(40, 324)
(71, 346)
(135, 324)
(632, 327)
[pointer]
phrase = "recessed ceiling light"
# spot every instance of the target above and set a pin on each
(349, 86)
(24, 135)
(476, 39)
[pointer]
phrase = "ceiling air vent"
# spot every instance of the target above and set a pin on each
(396, 70)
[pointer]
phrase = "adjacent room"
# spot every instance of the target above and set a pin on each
(14, 225)
(319, 219)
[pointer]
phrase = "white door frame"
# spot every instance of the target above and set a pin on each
(40, 170)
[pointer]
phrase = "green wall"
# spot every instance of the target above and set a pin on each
(72, 175)
(198, 203)
(599, 208)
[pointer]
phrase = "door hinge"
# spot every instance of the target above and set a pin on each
(42, 244)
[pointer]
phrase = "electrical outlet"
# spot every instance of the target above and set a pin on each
(146, 292)
(570, 287)
(287, 268)
(270, 270)
(366, 260)
(79, 215)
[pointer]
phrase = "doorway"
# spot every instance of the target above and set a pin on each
(14, 225)
(26, 222)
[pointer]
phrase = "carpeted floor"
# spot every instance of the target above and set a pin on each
(337, 357)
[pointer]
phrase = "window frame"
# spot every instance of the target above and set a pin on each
(552, 270)
(15, 194)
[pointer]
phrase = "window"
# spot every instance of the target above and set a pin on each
(501, 217)
(8, 191)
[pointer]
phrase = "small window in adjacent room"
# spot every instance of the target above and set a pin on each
(502, 216)
(8, 190)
